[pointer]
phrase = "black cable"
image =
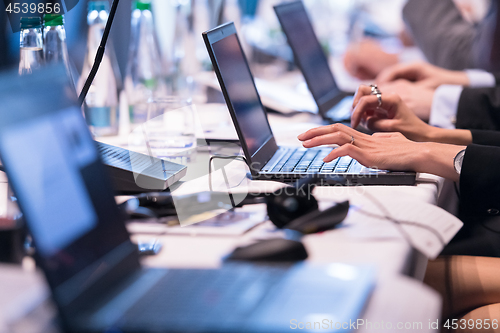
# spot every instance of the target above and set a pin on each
(99, 55)
(221, 157)
(224, 174)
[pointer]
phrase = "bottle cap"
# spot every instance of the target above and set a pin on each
(98, 5)
(141, 5)
(52, 20)
(31, 22)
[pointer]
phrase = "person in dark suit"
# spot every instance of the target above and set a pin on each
(443, 35)
(446, 38)
(479, 109)
(469, 157)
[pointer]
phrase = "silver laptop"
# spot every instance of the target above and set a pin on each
(267, 160)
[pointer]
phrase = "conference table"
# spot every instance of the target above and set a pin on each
(368, 236)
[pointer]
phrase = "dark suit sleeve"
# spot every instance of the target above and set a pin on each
(479, 108)
(446, 38)
(480, 181)
(486, 138)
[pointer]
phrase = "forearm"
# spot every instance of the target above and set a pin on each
(459, 78)
(422, 132)
(438, 159)
(449, 136)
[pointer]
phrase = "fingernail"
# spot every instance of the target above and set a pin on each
(307, 142)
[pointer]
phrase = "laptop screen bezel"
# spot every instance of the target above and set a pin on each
(266, 151)
(325, 102)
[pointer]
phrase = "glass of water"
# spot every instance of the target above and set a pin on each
(170, 127)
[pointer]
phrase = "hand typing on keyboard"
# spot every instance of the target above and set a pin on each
(391, 151)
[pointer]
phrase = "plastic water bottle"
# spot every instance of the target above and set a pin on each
(101, 103)
(31, 45)
(144, 68)
(54, 41)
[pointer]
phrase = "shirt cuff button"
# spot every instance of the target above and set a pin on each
(493, 211)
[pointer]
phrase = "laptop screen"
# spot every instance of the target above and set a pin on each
(307, 51)
(61, 186)
(249, 113)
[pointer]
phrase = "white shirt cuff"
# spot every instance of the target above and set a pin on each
(410, 54)
(480, 79)
(444, 106)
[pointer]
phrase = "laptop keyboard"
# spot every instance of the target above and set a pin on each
(311, 161)
(229, 294)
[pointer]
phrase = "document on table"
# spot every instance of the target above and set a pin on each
(232, 223)
(427, 227)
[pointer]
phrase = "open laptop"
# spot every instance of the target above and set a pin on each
(90, 263)
(266, 160)
(334, 105)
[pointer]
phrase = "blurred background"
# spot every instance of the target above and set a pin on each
(176, 39)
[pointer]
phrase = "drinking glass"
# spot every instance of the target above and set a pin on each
(170, 127)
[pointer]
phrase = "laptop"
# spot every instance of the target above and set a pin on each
(92, 267)
(266, 160)
(334, 105)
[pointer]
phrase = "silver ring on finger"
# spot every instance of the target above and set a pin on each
(379, 97)
(375, 89)
(352, 140)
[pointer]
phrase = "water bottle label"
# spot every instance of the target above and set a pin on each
(99, 116)
(138, 113)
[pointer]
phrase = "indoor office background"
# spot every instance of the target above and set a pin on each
(323, 11)
(333, 21)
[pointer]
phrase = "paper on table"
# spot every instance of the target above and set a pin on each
(283, 98)
(427, 227)
(227, 224)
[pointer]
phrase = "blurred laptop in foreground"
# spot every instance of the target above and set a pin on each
(90, 263)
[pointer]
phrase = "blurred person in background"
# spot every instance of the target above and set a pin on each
(444, 32)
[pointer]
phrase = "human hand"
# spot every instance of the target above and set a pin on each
(392, 116)
(416, 96)
(424, 73)
(390, 151)
(382, 150)
(366, 59)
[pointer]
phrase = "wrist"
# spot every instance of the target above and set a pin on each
(438, 159)
(426, 133)
(423, 156)
(449, 136)
(458, 78)
(432, 134)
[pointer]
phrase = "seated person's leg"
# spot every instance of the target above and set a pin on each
(478, 317)
(466, 283)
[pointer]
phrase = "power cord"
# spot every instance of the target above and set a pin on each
(224, 173)
(99, 54)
